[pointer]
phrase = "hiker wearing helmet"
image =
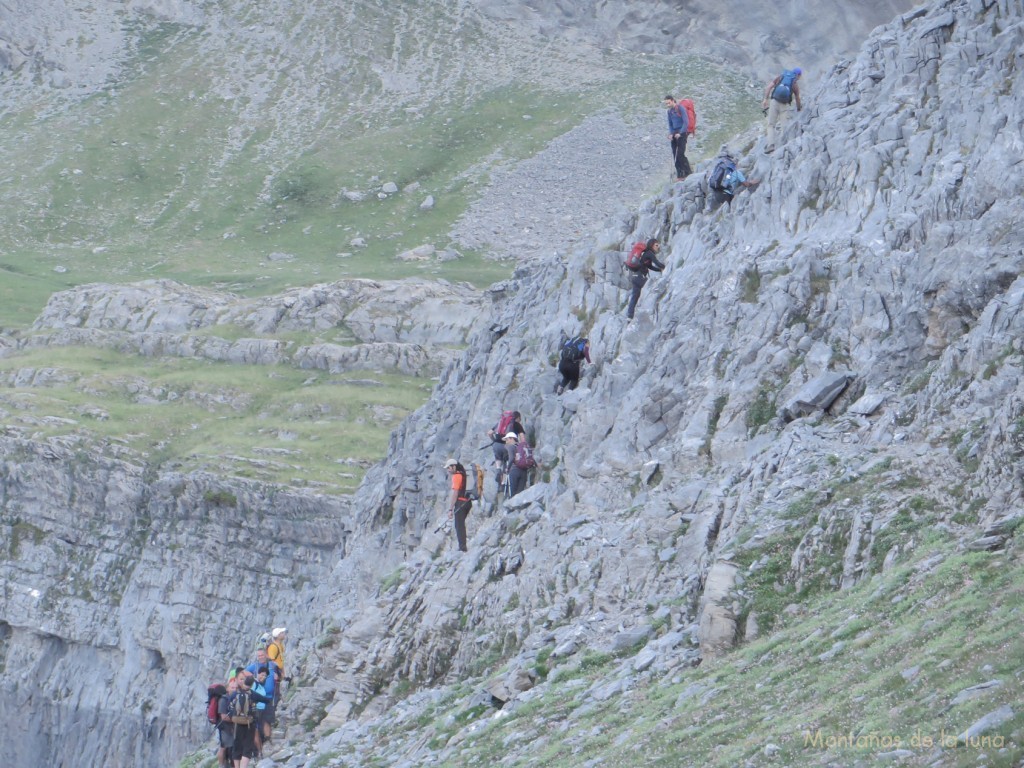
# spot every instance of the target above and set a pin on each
(678, 127)
(780, 93)
(459, 503)
(648, 263)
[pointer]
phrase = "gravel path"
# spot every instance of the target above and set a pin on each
(574, 186)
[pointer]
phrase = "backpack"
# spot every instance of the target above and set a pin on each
(524, 456)
(478, 490)
(213, 696)
(262, 641)
(691, 116)
(783, 92)
(720, 175)
(241, 709)
(504, 424)
(633, 260)
(572, 350)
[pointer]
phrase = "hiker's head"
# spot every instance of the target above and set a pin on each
(798, 71)
(262, 671)
(669, 101)
(261, 655)
(511, 436)
(246, 680)
(232, 685)
(653, 244)
(516, 415)
(279, 634)
(239, 671)
(450, 465)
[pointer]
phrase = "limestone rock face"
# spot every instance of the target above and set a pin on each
(408, 325)
(127, 582)
(877, 263)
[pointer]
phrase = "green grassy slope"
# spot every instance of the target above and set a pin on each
(222, 156)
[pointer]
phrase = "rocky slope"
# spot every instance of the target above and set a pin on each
(858, 316)
(834, 361)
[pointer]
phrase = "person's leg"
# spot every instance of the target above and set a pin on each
(774, 112)
(461, 511)
(518, 480)
(684, 164)
(638, 285)
(574, 380)
(679, 155)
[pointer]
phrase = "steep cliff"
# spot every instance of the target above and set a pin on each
(826, 378)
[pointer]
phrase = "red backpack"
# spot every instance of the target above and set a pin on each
(505, 423)
(633, 259)
(691, 116)
(213, 696)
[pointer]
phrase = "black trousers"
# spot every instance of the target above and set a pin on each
(461, 512)
(679, 156)
(570, 371)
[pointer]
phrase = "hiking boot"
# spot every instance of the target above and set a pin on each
(559, 389)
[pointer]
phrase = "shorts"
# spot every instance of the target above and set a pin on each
(245, 742)
(225, 736)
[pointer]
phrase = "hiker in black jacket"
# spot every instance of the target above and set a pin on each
(648, 262)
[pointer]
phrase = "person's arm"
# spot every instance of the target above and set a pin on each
(796, 95)
(769, 89)
(260, 698)
(453, 496)
(586, 352)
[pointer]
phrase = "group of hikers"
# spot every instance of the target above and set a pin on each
(513, 455)
(244, 709)
(725, 179)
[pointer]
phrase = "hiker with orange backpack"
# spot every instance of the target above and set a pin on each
(459, 502)
(678, 129)
(646, 262)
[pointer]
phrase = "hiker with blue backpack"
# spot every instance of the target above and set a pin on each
(725, 180)
(781, 92)
(571, 356)
(678, 128)
(639, 267)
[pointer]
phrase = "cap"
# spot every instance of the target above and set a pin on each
(450, 463)
(278, 632)
(798, 71)
(513, 436)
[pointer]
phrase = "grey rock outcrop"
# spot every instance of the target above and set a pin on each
(413, 326)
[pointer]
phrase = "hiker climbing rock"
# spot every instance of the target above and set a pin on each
(522, 462)
(225, 728)
(275, 652)
(271, 684)
(510, 421)
(678, 128)
(242, 711)
(459, 503)
(781, 92)
(574, 351)
(725, 180)
(645, 263)
(511, 440)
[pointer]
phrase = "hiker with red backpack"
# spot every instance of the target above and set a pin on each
(778, 95)
(219, 716)
(640, 265)
(678, 129)
(508, 422)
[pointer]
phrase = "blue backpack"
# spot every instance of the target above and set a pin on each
(721, 175)
(572, 350)
(783, 92)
